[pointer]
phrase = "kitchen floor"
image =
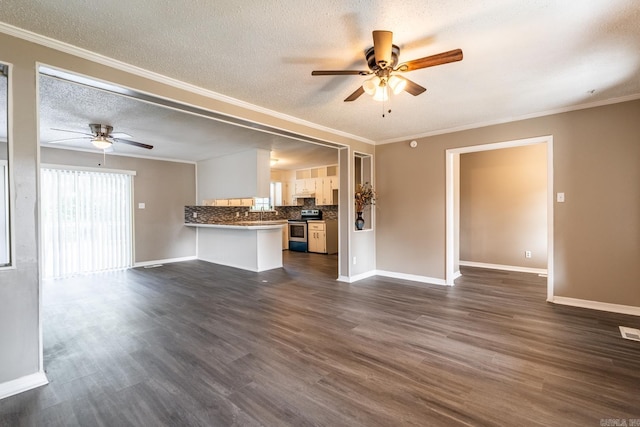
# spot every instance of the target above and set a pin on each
(195, 343)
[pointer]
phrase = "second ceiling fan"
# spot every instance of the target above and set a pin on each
(382, 60)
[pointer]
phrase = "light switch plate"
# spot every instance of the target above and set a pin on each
(560, 198)
(141, 206)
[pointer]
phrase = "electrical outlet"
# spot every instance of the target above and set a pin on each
(195, 214)
(527, 254)
(354, 260)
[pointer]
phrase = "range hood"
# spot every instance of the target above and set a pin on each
(308, 195)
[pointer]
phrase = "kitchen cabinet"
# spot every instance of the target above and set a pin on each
(317, 238)
(327, 191)
(322, 236)
(240, 202)
(305, 186)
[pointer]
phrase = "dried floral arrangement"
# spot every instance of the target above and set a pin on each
(365, 196)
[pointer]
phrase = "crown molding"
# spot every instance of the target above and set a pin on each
(160, 78)
(514, 119)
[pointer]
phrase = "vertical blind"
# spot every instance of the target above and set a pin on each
(86, 222)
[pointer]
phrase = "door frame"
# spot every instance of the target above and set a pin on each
(453, 177)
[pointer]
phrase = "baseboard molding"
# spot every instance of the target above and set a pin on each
(595, 305)
(503, 267)
(358, 277)
(411, 277)
(457, 274)
(23, 384)
(343, 279)
(164, 261)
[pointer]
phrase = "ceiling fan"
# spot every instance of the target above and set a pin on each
(382, 60)
(102, 137)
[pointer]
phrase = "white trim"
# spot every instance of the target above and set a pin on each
(513, 119)
(412, 277)
(361, 276)
(164, 261)
(596, 305)
(457, 274)
(504, 267)
(393, 275)
(86, 169)
(4, 205)
(449, 205)
(39, 230)
(12, 187)
(141, 72)
(550, 208)
(23, 384)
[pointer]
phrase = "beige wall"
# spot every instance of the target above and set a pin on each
(164, 187)
(503, 206)
(596, 231)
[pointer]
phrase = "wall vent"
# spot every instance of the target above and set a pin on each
(630, 333)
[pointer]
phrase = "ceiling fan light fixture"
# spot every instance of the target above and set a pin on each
(370, 85)
(397, 84)
(101, 142)
(381, 94)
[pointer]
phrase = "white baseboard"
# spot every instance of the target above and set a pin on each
(503, 267)
(394, 275)
(164, 261)
(357, 277)
(22, 384)
(457, 274)
(595, 305)
(412, 277)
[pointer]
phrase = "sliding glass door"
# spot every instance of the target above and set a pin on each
(86, 222)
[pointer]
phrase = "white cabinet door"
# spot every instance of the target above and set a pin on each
(317, 238)
(325, 194)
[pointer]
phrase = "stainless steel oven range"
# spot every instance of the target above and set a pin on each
(298, 229)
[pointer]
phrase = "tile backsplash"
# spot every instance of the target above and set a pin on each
(213, 214)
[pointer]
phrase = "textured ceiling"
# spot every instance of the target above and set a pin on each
(521, 58)
(174, 134)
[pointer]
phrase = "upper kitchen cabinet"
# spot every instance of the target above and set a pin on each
(235, 176)
(327, 190)
(320, 182)
(282, 188)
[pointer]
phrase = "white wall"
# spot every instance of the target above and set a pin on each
(240, 175)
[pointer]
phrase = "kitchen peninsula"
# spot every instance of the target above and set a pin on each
(251, 245)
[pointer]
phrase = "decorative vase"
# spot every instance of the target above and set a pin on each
(359, 221)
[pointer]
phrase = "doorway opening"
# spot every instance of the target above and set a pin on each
(452, 204)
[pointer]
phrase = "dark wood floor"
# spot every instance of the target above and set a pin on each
(193, 343)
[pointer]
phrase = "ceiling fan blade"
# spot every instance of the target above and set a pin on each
(119, 135)
(340, 73)
(413, 88)
(433, 60)
(382, 45)
(134, 143)
(355, 95)
(72, 131)
(78, 138)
